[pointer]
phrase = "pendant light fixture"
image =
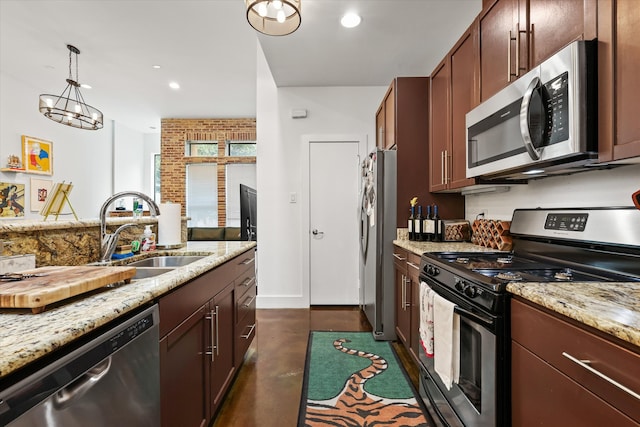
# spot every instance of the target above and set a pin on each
(69, 108)
(274, 17)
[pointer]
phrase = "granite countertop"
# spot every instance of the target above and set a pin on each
(25, 337)
(610, 307)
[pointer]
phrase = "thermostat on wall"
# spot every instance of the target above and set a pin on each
(299, 113)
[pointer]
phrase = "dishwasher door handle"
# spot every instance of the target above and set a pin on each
(82, 385)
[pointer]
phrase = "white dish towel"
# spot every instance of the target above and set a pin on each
(426, 318)
(446, 332)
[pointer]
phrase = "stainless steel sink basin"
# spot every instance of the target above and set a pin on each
(166, 261)
(147, 272)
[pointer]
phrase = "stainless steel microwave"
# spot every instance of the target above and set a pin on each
(544, 123)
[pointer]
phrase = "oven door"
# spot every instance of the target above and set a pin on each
(472, 401)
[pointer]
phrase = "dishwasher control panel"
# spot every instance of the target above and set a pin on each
(126, 335)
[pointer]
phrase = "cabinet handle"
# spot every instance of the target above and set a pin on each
(399, 258)
(404, 291)
(212, 327)
(509, 40)
(517, 49)
(248, 334)
(447, 178)
(247, 282)
(217, 346)
(442, 167)
(247, 261)
(409, 263)
(245, 305)
(585, 365)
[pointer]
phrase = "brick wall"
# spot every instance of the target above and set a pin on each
(173, 161)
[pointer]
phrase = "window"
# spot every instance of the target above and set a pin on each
(237, 173)
(202, 194)
(201, 148)
(241, 148)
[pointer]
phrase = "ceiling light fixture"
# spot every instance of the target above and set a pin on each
(74, 112)
(274, 17)
(350, 20)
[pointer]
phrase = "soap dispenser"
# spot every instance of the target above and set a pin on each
(147, 240)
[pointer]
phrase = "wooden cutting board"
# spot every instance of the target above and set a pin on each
(57, 283)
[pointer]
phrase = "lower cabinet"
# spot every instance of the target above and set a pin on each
(407, 284)
(565, 374)
(201, 344)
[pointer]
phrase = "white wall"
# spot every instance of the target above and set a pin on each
(598, 188)
(331, 110)
(82, 157)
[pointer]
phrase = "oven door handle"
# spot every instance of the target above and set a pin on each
(484, 321)
(525, 128)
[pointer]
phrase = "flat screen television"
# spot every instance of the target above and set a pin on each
(248, 216)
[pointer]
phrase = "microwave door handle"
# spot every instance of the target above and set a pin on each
(534, 153)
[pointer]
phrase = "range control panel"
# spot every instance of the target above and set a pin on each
(566, 221)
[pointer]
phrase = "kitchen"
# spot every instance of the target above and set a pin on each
(350, 110)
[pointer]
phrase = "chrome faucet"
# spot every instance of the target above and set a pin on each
(108, 241)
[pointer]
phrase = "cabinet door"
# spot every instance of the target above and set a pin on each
(380, 127)
(413, 271)
(390, 118)
(440, 124)
(403, 306)
(552, 24)
(542, 396)
(183, 374)
(464, 96)
(497, 50)
(221, 322)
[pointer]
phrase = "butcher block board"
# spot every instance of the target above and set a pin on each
(57, 283)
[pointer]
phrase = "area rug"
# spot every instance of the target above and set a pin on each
(353, 380)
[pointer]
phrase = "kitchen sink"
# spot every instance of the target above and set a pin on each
(166, 261)
(147, 272)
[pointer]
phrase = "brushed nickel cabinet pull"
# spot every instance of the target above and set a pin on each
(585, 365)
(248, 334)
(409, 263)
(399, 258)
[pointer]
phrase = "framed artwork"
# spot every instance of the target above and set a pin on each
(37, 155)
(40, 189)
(11, 200)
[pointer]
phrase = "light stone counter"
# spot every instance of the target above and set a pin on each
(613, 308)
(25, 337)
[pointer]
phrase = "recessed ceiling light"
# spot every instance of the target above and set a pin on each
(174, 85)
(155, 66)
(350, 20)
(86, 86)
(533, 172)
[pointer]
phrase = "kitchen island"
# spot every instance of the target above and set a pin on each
(27, 337)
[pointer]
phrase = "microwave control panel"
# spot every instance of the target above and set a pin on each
(557, 100)
(566, 222)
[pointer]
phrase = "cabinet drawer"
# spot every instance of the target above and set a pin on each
(245, 262)
(554, 340)
(246, 280)
(400, 257)
(245, 333)
(413, 267)
(246, 304)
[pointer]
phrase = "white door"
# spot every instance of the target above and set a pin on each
(333, 223)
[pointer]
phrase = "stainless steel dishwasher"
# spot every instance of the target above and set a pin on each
(112, 380)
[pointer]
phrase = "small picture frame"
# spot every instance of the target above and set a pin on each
(37, 155)
(40, 190)
(11, 200)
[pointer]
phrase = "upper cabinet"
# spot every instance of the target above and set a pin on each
(385, 120)
(405, 113)
(516, 35)
(454, 91)
(618, 83)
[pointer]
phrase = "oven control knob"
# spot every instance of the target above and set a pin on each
(432, 270)
(460, 285)
(471, 291)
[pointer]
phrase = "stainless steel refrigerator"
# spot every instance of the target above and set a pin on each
(377, 232)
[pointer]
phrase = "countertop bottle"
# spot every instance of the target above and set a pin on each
(410, 224)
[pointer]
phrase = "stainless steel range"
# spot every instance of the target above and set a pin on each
(550, 245)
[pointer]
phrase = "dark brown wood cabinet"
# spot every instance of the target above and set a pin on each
(454, 92)
(199, 349)
(407, 274)
(551, 357)
(618, 83)
(410, 105)
(516, 35)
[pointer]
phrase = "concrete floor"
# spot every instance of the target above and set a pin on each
(267, 389)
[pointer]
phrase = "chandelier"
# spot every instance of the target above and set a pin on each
(274, 17)
(69, 108)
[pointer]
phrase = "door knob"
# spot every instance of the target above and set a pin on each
(317, 233)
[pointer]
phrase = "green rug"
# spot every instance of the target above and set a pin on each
(353, 380)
